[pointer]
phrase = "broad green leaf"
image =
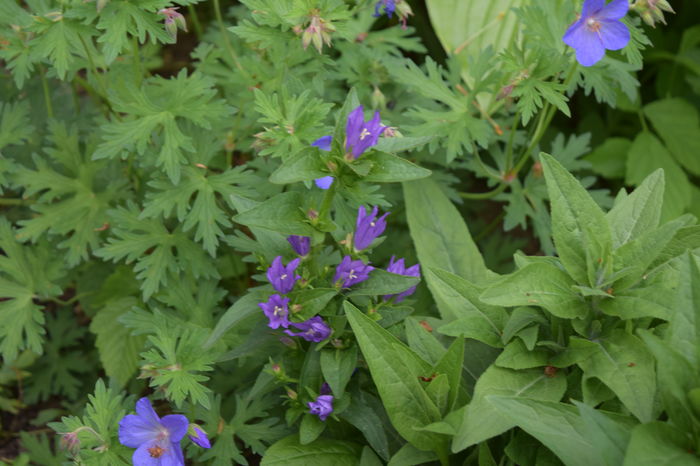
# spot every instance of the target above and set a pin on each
(684, 328)
(408, 455)
(381, 282)
(367, 414)
(388, 168)
(423, 342)
(337, 367)
(610, 158)
(639, 212)
(557, 425)
(678, 123)
(516, 356)
(243, 308)
(451, 365)
(623, 363)
(290, 452)
(312, 302)
(440, 235)
(538, 284)
(283, 213)
(473, 319)
(646, 155)
(652, 296)
(660, 444)
(483, 421)
(608, 437)
(579, 227)
(404, 398)
(401, 144)
(310, 428)
(118, 349)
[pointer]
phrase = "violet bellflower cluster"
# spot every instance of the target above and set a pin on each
(157, 440)
(598, 28)
(360, 135)
(322, 406)
(283, 278)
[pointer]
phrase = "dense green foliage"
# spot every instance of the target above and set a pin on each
(154, 162)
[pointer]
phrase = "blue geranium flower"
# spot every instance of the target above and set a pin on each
(599, 28)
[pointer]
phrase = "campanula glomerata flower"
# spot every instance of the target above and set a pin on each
(322, 407)
(350, 272)
(359, 136)
(157, 440)
(398, 267)
(283, 278)
(599, 28)
(314, 329)
(300, 244)
(277, 311)
(368, 227)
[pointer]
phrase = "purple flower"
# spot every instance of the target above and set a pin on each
(198, 436)
(399, 268)
(361, 135)
(368, 227)
(283, 278)
(322, 407)
(157, 441)
(598, 28)
(389, 7)
(300, 244)
(325, 389)
(323, 143)
(277, 311)
(314, 329)
(351, 272)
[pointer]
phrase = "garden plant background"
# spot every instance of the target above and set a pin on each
(350, 232)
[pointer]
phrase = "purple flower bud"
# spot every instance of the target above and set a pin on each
(198, 436)
(350, 272)
(599, 28)
(283, 278)
(368, 227)
(314, 329)
(276, 311)
(322, 407)
(300, 244)
(324, 182)
(399, 268)
(389, 7)
(325, 389)
(173, 21)
(360, 136)
(323, 143)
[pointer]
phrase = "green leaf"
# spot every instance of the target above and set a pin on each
(364, 413)
(118, 349)
(312, 302)
(684, 325)
(404, 398)
(441, 237)
(60, 42)
(639, 212)
(381, 282)
(646, 155)
(26, 273)
(579, 227)
(305, 165)
(610, 158)
(423, 342)
(282, 213)
(243, 308)
(609, 437)
(516, 356)
(290, 452)
(310, 428)
(678, 123)
(451, 365)
(388, 168)
(408, 455)
(401, 144)
(483, 421)
(623, 363)
(558, 426)
(473, 319)
(337, 367)
(659, 444)
(538, 284)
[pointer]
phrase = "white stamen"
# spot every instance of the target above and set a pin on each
(364, 134)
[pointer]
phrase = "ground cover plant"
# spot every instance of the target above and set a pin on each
(350, 232)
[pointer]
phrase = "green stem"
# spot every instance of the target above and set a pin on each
(224, 35)
(195, 21)
(487, 195)
(490, 227)
(327, 202)
(511, 139)
(642, 120)
(7, 201)
(47, 93)
(93, 68)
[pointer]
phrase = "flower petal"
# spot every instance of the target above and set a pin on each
(614, 34)
(173, 456)
(177, 424)
(134, 431)
(588, 45)
(353, 128)
(592, 6)
(142, 457)
(324, 182)
(616, 9)
(323, 143)
(146, 411)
